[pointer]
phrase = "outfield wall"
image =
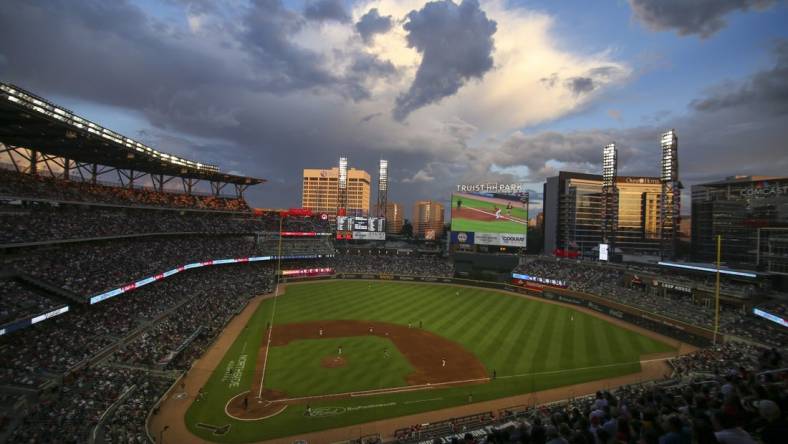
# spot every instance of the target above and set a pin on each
(661, 324)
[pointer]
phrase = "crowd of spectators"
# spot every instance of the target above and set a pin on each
(71, 413)
(611, 283)
(41, 223)
(156, 320)
(17, 301)
(400, 265)
(44, 222)
(15, 185)
(90, 268)
(215, 295)
(57, 345)
(735, 404)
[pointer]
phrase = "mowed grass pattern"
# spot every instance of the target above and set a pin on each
(532, 345)
(509, 334)
(296, 367)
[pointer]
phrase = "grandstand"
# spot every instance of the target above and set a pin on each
(110, 291)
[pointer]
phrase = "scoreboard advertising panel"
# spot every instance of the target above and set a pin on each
(489, 219)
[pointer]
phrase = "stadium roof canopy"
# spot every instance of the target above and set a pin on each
(31, 122)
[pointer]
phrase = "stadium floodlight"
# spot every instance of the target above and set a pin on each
(342, 187)
(28, 100)
(383, 186)
(609, 195)
(670, 197)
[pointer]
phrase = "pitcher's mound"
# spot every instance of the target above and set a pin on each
(333, 361)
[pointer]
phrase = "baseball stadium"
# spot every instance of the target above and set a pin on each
(138, 311)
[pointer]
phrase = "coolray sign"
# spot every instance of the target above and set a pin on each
(504, 239)
(504, 188)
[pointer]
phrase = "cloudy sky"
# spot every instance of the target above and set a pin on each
(448, 92)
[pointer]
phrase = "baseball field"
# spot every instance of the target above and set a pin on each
(470, 212)
(348, 352)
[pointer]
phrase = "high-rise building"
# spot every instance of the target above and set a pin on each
(427, 219)
(395, 218)
(574, 206)
(320, 191)
(750, 213)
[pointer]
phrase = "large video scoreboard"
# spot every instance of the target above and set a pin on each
(489, 219)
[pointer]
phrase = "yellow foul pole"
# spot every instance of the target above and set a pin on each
(717, 291)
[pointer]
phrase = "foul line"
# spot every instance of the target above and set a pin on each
(268, 341)
(513, 219)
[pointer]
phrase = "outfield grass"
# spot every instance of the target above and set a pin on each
(531, 345)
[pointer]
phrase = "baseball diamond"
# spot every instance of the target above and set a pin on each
(400, 368)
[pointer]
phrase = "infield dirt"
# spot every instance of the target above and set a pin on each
(435, 359)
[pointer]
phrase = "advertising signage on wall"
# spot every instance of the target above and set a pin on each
(134, 285)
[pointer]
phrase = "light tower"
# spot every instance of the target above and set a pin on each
(342, 188)
(609, 195)
(670, 199)
(383, 187)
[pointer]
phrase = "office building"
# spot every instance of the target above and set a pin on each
(751, 215)
(427, 219)
(574, 207)
(320, 191)
(395, 218)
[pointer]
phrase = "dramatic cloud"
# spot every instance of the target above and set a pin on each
(687, 17)
(258, 88)
(373, 23)
(325, 10)
(456, 45)
(765, 91)
(747, 117)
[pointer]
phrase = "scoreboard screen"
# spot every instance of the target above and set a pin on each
(361, 228)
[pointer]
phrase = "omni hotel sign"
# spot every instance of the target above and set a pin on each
(493, 187)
